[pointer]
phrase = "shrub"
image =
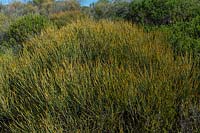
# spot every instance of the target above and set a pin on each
(159, 12)
(99, 77)
(15, 9)
(120, 9)
(25, 27)
(178, 19)
(105, 9)
(4, 23)
(62, 18)
(65, 5)
(185, 36)
(101, 9)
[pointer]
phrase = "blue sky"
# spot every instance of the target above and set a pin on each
(87, 2)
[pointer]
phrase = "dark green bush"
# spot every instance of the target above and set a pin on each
(159, 12)
(25, 27)
(184, 36)
(149, 11)
(179, 19)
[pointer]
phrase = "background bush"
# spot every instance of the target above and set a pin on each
(25, 28)
(66, 5)
(62, 18)
(109, 9)
(184, 36)
(162, 12)
(4, 24)
(178, 19)
(50, 7)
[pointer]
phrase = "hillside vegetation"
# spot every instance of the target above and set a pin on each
(99, 76)
(116, 66)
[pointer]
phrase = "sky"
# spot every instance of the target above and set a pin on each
(87, 2)
(82, 2)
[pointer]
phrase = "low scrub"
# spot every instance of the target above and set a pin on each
(25, 28)
(163, 12)
(184, 36)
(62, 18)
(99, 77)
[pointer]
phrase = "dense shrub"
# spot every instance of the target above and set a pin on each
(3, 25)
(159, 12)
(25, 27)
(65, 5)
(178, 19)
(30, 9)
(103, 76)
(120, 9)
(185, 36)
(62, 18)
(99, 77)
(109, 10)
(101, 9)
(17, 9)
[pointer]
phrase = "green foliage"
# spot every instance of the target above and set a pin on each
(62, 18)
(3, 21)
(178, 19)
(40, 2)
(15, 9)
(148, 11)
(59, 6)
(159, 12)
(25, 28)
(110, 10)
(120, 9)
(66, 5)
(101, 9)
(185, 36)
(99, 77)
(4, 24)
